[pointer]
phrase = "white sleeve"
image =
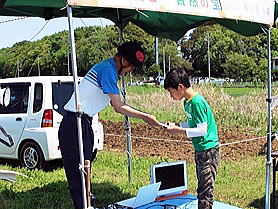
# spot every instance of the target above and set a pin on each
(200, 130)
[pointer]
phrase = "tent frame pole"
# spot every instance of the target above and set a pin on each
(269, 126)
(77, 105)
(128, 134)
(127, 122)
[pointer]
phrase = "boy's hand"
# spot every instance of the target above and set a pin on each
(173, 129)
(171, 124)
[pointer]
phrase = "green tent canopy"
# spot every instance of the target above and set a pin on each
(174, 26)
(160, 24)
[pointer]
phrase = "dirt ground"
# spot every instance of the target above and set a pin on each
(154, 141)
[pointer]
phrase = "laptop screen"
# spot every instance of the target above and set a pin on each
(171, 175)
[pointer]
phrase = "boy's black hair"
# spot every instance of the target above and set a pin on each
(176, 77)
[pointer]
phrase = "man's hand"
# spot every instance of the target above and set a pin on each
(125, 109)
(151, 120)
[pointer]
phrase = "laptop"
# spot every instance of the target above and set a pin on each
(172, 176)
(145, 195)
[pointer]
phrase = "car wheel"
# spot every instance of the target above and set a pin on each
(31, 156)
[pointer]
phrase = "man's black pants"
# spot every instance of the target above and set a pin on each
(68, 140)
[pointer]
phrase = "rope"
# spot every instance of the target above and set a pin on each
(246, 140)
(39, 31)
(83, 22)
(31, 38)
(148, 138)
(180, 141)
(11, 20)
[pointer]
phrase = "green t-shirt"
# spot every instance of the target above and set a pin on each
(198, 111)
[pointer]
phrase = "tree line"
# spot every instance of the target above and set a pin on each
(231, 55)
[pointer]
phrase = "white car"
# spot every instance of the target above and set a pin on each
(29, 123)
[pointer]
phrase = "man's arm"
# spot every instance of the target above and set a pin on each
(120, 107)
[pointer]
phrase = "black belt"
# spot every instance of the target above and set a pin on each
(74, 114)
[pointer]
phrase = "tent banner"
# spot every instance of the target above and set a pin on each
(258, 11)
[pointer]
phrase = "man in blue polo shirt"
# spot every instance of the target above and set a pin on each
(96, 91)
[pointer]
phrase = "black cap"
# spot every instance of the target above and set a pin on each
(133, 52)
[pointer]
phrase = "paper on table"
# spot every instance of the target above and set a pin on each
(9, 175)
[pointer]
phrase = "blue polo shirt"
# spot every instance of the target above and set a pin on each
(104, 75)
(100, 81)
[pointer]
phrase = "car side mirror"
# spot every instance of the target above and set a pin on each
(5, 96)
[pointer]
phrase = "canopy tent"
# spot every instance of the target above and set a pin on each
(162, 18)
(158, 23)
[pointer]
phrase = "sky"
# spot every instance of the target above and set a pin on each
(34, 28)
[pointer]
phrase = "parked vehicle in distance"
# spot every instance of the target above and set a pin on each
(219, 81)
(137, 83)
(29, 123)
(206, 80)
(159, 80)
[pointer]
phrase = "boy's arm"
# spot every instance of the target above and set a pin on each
(200, 130)
(120, 107)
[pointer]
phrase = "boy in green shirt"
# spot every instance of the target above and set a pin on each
(202, 128)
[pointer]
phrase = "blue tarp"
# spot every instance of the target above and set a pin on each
(184, 202)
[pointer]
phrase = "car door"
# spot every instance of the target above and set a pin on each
(13, 117)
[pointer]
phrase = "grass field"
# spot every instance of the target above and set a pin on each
(239, 183)
(236, 92)
(236, 183)
(244, 108)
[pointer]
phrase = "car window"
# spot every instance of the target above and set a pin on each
(38, 97)
(19, 98)
(61, 93)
